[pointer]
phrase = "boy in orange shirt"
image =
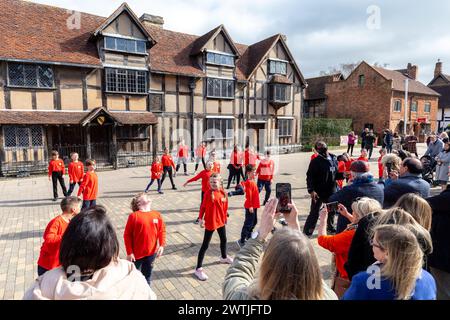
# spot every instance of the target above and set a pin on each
(56, 172)
(145, 235)
(213, 216)
(265, 173)
(363, 156)
(76, 173)
(168, 165)
(157, 171)
(251, 204)
(49, 255)
(200, 156)
(89, 186)
(204, 175)
(182, 157)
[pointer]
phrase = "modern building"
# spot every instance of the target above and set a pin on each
(441, 84)
(374, 98)
(122, 88)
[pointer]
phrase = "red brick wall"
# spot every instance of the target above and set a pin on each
(370, 103)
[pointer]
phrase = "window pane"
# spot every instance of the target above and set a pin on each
(217, 84)
(111, 80)
(131, 81)
(15, 73)
(141, 47)
(23, 137)
(10, 136)
(45, 77)
(210, 87)
(30, 75)
(210, 57)
(110, 43)
(230, 89)
(217, 58)
(131, 46)
(283, 68)
(271, 66)
(36, 136)
(121, 44)
(142, 81)
(122, 80)
(224, 89)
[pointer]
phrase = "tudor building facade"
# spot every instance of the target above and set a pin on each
(122, 88)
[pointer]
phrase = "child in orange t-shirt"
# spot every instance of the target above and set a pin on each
(157, 171)
(380, 164)
(363, 156)
(49, 255)
(89, 186)
(213, 216)
(168, 167)
(56, 172)
(341, 168)
(76, 172)
(251, 205)
(144, 235)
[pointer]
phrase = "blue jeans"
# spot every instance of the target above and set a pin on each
(88, 203)
(145, 265)
(250, 222)
(151, 182)
(267, 185)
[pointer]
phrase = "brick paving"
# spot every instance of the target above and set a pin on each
(26, 208)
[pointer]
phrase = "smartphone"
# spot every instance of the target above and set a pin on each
(332, 206)
(283, 194)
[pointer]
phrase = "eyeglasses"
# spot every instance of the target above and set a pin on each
(373, 244)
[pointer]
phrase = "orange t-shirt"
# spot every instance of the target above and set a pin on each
(49, 255)
(340, 246)
(56, 166)
(341, 168)
(214, 209)
(265, 170)
(167, 161)
(144, 232)
(216, 167)
(183, 152)
(89, 186)
(380, 168)
(76, 172)
(362, 159)
(204, 175)
(157, 170)
(251, 194)
(250, 158)
(201, 152)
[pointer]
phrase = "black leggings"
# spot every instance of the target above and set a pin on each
(207, 239)
(350, 148)
(238, 173)
(167, 171)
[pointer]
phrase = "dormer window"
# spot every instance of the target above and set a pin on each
(278, 67)
(219, 58)
(125, 45)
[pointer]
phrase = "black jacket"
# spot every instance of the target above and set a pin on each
(360, 188)
(360, 255)
(321, 176)
(440, 231)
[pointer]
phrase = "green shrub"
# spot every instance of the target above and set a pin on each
(329, 130)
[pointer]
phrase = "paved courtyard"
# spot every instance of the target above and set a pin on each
(26, 208)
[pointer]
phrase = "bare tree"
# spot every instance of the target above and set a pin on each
(347, 68)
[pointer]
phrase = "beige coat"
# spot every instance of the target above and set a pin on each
(118, 281)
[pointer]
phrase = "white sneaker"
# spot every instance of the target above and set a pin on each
(200, 274)
(227, 260)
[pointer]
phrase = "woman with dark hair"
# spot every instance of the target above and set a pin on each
(90, 265)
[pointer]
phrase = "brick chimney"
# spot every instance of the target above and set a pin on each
(412, 71)
(151, 20)
(438, 68)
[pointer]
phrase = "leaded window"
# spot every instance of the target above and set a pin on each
(280, 93)
(277, 67)
(220, 88)
(126, 81)
(218, 58)
(219, 129)
(284, 127)
(22, 137)
(30, 75)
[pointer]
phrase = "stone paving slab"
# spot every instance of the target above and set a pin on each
(26, 208)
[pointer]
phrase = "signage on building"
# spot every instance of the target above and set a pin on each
(421, 120)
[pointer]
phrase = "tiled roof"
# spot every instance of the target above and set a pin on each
(69, 117)
(398, 82)
(31, 31)
(316, 86)
(280, 79)
(39, 32)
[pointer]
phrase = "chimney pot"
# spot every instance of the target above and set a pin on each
(151, 20)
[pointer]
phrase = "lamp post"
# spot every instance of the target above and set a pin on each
(406, 106)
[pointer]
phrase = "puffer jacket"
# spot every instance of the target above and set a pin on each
(240, 281)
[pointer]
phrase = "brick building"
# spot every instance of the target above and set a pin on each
(117, 89)
(441, 84)
(315, 103)
(374, 97)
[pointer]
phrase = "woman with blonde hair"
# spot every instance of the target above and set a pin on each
(398, 273)
(289, 269)
(416, 206)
